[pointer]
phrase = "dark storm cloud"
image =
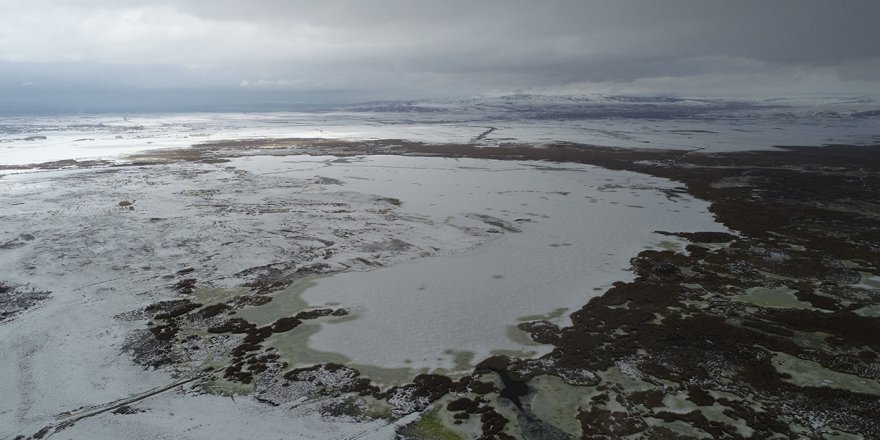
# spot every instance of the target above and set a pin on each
(802, 31)
(391, 48)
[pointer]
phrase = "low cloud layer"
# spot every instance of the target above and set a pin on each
(402, 48)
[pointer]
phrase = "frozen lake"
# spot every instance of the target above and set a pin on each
(578, 227)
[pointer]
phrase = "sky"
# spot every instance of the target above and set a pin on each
(162, 52)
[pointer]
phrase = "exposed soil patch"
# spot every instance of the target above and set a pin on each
(541, 331)
(16, 299)
(170, 309)
(127, 410)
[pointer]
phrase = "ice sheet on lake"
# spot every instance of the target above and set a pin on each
(579, 225)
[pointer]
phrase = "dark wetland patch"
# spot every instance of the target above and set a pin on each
(16, 299)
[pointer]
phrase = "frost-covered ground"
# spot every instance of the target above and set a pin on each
(436, 259)
(106, 242)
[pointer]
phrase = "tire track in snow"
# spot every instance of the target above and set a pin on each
(69, 418)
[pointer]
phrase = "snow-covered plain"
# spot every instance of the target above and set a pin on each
(100, 260)
(713, 125)
(107, 241)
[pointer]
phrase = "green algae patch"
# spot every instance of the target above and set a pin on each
(293, 346)
(357, 407)
(812, 374)
(520, 336)
(679, 427)
(870, 281)
(464, 360)
(556, 403)
(521, 354)
(430, 427)
(668, 245)
(681, 404)
(626, 381)
(284, 303)
(840, 435)
(223, 387)
(375, 408)
(390, 376)
(812, 339)
(546, 317)
(776, 298)
(211, 296)
(869, 312)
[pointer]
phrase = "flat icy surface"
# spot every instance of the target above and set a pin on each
(580, 226)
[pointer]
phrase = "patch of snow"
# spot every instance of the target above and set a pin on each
(577, 377)
(629, 370)
(404, 401)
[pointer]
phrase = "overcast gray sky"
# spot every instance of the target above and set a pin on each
(387, 49)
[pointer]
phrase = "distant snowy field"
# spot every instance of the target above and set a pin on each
(605, 121)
